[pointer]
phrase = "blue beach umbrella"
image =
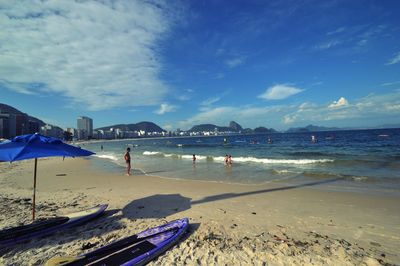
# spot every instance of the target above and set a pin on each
(36, 146)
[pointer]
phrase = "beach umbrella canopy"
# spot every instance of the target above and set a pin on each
(33, 146)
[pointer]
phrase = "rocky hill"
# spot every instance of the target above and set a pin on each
(145, 126)
(311, 128)
(233, 127)
(264, 130)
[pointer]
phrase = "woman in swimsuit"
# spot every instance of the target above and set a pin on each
(127, 158)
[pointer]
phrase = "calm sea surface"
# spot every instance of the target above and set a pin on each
(363, 160)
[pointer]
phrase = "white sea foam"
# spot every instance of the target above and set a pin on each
(284, 171)
(219, 159)
(190, 157)
(240, 159)
(107, 156)
(151, 153)
(281, 161)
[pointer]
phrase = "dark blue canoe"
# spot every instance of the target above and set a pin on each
(11, 236)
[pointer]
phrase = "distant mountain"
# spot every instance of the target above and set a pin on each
(7, 109)
(388, 126)
(247, 131)
(233, 127)
(264, 130)
(204, 127)
(145, 126)
(311, 128)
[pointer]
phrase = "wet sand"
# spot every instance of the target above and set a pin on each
(274, 224)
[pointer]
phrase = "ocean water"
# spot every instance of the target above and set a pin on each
(364, 160)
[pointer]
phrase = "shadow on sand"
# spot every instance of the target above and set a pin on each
(156, 206)
(163, 205)
(235, 195)
(105, 223)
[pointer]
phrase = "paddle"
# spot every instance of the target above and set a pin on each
(104, 252)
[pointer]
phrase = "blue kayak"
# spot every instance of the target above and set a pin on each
(136, 249)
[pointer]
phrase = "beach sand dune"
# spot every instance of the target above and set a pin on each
(274, 224)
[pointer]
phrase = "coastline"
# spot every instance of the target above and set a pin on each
(274, 223)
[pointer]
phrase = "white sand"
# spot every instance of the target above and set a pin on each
(230, 224)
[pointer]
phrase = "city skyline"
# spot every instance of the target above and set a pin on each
(279, 64)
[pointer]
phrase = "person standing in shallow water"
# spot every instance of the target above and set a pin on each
(127, 158)
(194, 158)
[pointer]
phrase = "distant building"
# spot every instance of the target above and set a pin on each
(7, 126)
(85, 127)
(12, 125)
(22, 124)
(52, 131)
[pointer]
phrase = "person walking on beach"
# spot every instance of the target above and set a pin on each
(127, 158)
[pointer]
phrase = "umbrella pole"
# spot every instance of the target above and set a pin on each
(34, 191)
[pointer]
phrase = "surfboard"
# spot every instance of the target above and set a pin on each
(137, 249)
(48, 226)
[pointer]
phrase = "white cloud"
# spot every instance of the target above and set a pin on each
(394, 60)
(380, 107)
(210, 101)
(306, 106)
(338, 30)
(250, 116)
(339, 103)
(352, 39)
(166, 108)
(219, 76)
(327, 45)
(215, 116)
(393, 107)
(167, 127)
(279, 91)
(290, 118)
(185, 95)
(232, 63)
(19, 87)
(390, 83)
(377, 109)
(97, 54)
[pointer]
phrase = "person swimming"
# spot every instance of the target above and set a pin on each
(230, 160)
(313, 139)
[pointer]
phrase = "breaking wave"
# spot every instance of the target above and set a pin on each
(240, 159)
(106, 156)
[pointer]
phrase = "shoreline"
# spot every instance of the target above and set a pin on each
(344, 183)
(272, 223)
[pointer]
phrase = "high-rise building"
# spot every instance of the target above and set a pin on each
(8, 125)
(85, 127)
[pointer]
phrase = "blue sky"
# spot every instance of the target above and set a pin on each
(276, 64)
